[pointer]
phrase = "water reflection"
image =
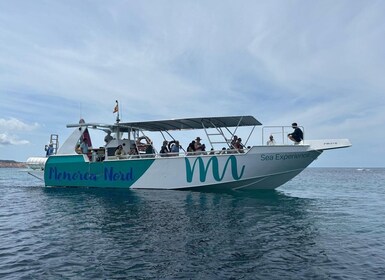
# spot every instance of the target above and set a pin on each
(155, 231)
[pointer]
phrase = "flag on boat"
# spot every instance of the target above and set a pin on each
(116, 109)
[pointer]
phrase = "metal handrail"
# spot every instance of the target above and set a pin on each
(283, 131)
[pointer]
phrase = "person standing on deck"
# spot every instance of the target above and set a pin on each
(84, 146)
(108, 137)
(49, 149)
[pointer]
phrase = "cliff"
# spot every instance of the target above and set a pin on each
(11, 164)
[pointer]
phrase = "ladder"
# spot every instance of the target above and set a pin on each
(219, 132)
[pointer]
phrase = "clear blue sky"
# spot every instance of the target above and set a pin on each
(319, 63)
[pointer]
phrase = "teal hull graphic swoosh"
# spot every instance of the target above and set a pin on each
(213, 161)
(73, 171)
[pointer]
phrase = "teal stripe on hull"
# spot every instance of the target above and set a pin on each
(73, 171)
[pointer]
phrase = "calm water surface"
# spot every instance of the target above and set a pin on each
(324, 224)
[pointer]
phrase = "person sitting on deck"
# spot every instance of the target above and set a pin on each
(175, 148)
(164, 149)
(271, 141)
(238, 146)
(134, 150)
(119, 153)
(233, 142)
(150, 149)
(199, 147)
(191, 147)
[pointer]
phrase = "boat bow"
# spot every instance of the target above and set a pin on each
(328, 144)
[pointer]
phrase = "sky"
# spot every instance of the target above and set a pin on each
(317, 63)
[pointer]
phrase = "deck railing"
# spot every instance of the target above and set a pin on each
(279, 133)
(171, 155)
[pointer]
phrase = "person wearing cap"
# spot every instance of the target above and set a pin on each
(198, 145)
(297, 135)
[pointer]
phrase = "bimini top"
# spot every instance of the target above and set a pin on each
(179, 124)
(195, 123)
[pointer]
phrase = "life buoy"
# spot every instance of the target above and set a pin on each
(143, 146)
(170, 144)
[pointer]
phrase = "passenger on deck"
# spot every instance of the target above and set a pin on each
(84, 146)
(175, 148)
(233, 142)
(108, 137)
(191, 147)
(297, 135)
(49, 149)
(164, 149)
(199, 147)
(119, 153)
(271, 141)
(133, 151)
(238, 145)
(150, 149)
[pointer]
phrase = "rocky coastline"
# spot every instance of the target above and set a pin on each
(12, 164)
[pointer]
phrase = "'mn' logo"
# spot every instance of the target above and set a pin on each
(213, 162)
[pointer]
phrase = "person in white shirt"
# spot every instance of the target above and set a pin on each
(271, 141)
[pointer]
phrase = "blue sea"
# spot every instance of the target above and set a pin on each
(324, 224)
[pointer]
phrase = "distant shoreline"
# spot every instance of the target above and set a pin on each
(12, 164)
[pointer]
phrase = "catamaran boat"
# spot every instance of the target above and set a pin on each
(220, 166)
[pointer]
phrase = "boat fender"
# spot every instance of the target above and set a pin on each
(170, 144)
